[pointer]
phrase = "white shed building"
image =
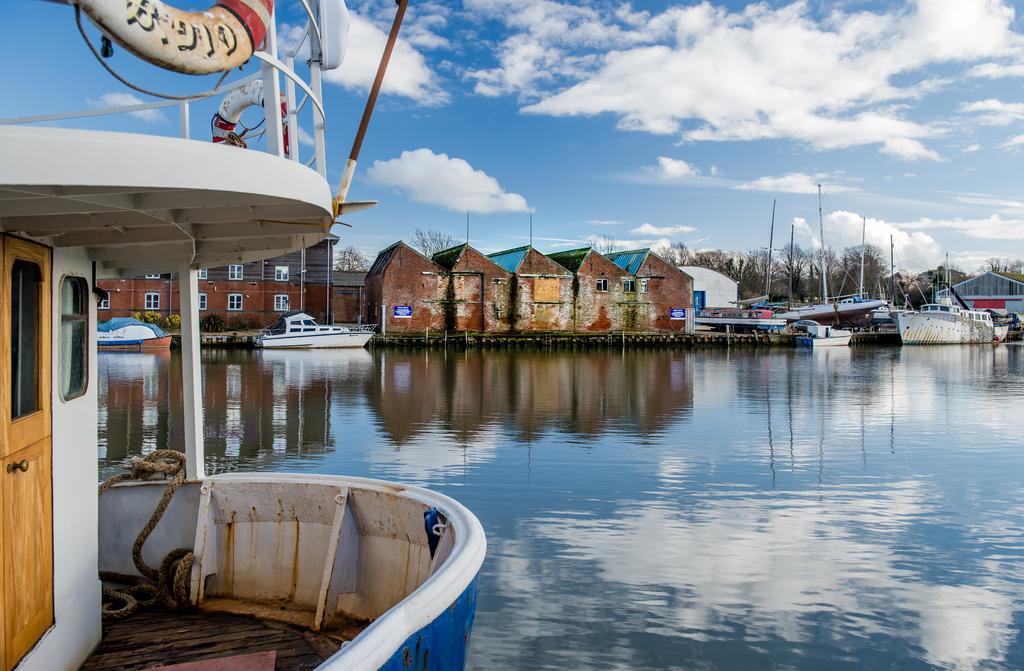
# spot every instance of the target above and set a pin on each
(711, 288)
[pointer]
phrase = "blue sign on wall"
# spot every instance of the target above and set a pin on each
(675, 314)
(403, 312)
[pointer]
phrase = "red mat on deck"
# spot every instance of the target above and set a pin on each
(257, 661)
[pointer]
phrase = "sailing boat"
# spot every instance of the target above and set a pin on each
(844, 309)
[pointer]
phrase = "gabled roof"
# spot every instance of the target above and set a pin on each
(629, 261)
(571, 258)
(348, 278)
(1016, 277)
(510, 259)
(383, 258)
(447, 258)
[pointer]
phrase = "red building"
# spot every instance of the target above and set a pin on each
(348, 297)
(246, 295)
(477, 295)
(541, 294)
(600, 299)
(659, 294)
(405, 290)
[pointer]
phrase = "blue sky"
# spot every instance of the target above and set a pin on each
(650, 122)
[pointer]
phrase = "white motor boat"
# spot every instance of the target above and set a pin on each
(298, 330)
(944, 323)
(127, 334)
(819, 335)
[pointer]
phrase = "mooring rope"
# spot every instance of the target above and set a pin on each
(168, 585)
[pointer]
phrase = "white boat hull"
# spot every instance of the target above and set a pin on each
(760, 324)
(916, 328)
(844, 313)
(834, 341)
(315, 340)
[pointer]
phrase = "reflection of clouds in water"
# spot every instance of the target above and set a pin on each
(782, 566)
(434, 453)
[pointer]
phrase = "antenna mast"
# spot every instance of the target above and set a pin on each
(863, 245)
(768, 268)
(821, 228)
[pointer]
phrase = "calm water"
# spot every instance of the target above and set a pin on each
(717, 510)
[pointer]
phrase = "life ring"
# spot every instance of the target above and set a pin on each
(226, 119)
(214, 40)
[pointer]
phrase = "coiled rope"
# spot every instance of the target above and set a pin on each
(169, 585)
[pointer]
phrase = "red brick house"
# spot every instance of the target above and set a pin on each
(477, 294)
(404, 291)
(256, 292)
(599, 295)
(541, 295)
(657, 293)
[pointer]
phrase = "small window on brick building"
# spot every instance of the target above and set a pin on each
(104, 304)
(643, 285)
(235, 272)
(202, 301)
(201, 273)
(234, 302)
(152, 300)
(629, 286)
(152, 277)
(281, 273)
(281, 302)
(602, 285)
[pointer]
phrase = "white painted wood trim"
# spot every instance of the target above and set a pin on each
(191, 372)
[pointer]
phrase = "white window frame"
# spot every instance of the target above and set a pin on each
(240, 302)
(280, 276)
(104, 304)
(236, 271)
(629, 286)
(601, 284)
(202, 300)
(155, 303)
(643, 285)
(278, 301)
(201, 274)
(153, 277)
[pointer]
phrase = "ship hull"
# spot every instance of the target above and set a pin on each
(841, 313)
(916, 328)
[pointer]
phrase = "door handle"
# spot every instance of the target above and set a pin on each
(20, 466)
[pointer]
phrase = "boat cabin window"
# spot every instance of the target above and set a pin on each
(74, 337)
(26, 296)
(308, 322)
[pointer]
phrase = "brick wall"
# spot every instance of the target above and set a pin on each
(542, 296)
(401, 276)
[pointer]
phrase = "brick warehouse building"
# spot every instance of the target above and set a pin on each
(520, 289)
(541, 295)
(660, 290)
(600, 295)
(478, 288)
(255, 292)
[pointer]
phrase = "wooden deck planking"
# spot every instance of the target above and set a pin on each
(154, 638)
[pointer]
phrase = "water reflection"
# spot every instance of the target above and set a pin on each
(711, 510)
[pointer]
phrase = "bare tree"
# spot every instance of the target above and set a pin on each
(350, 259)
(606, 244)
(677, 254)
(431, 242)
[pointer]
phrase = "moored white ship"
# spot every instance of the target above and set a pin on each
(944, 324)
(298, 330)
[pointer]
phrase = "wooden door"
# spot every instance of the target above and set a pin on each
(26, 542)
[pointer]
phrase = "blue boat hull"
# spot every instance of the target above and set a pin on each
(442, 644)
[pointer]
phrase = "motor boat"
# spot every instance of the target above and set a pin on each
(813, 334)
(740, 319)
(943, 323)
(132, 335)
(298, 330)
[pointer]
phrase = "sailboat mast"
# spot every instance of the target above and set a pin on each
(863, 241)
(792, 261)
(821, 227)
(768, 268)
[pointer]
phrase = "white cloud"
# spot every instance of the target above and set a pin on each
(662, 231)
(442, 180)
(714, 171)
(997, 70)
(408, 75)
(305, 138)
(757, 73)
(995, 112)
(971, 148)
(915, 250)
(908, 150)
(672, 168)
(123, 99)
(994, 227)
(605, 222)
(793, 182)
(1013, 142)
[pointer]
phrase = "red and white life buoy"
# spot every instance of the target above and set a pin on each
(225, 121)
(214, 40)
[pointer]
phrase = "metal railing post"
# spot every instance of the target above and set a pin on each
(293, 118)
(183, 111)
(272, 95)
(316, 84)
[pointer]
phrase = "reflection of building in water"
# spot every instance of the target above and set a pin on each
(258, 407)
(468, 393)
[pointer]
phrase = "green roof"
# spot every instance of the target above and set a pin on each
(447, 257)
(570, 258)
(630, 261)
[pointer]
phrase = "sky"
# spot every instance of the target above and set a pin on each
(648, 123)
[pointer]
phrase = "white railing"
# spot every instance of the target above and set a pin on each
(271, 66)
